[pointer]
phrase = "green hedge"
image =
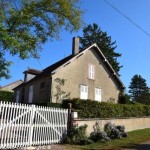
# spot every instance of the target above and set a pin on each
(56, 105)
(6, 96)
(94, 109)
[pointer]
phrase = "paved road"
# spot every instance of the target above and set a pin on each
(142, 146)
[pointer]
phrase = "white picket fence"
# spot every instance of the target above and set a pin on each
(26, 125)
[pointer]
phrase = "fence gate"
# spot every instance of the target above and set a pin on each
(26, 125)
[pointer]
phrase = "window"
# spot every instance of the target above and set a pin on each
(98, 94)
(83, 92)
(91, 72)
(42, 86)
(17, 96)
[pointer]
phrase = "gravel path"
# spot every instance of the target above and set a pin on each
(49, 147)
(142, 146)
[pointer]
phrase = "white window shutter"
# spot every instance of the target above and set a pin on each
(98, 94)
(83, 92)
(91, 72)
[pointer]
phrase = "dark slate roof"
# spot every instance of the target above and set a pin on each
(50, 69)
(46, 71)
(56, 65)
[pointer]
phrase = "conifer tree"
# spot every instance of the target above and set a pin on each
(93, 34)
(138, 88)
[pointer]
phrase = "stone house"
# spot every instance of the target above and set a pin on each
(85, 74)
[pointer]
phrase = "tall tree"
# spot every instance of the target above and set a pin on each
(26, 24)
(94, 34)
(4, 64)
(138, 88)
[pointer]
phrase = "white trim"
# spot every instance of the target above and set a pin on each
(109, 64)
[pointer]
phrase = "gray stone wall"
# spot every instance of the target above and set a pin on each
(129, 123)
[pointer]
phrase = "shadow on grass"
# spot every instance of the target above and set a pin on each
(131, 146)
(144, 146)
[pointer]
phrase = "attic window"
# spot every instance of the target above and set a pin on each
(91, 71)
(42, 86)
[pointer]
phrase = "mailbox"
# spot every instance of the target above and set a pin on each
(74, 115)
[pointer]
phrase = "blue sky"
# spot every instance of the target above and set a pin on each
(131, 41)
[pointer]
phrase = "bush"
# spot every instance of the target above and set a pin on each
(6, 96)
(124, 99)
(94, 109)
(99, 136)
(77, 135)
(114, 132)
(56, 105)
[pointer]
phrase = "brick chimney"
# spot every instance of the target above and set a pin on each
(75, 46)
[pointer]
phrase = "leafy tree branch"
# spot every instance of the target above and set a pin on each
(27, 24)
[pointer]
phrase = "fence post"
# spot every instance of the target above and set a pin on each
(31, 124)
(69, 116)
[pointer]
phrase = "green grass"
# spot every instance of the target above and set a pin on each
(134, 138)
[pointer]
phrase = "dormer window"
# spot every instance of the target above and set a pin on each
(30, 74)
(91, 71)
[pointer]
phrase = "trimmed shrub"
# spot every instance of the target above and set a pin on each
(114, 132)
(56, 105)
(77, 135)
(94, 109)
(99, 136)
(6, 96)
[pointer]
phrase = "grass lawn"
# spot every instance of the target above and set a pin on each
(133, 139)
